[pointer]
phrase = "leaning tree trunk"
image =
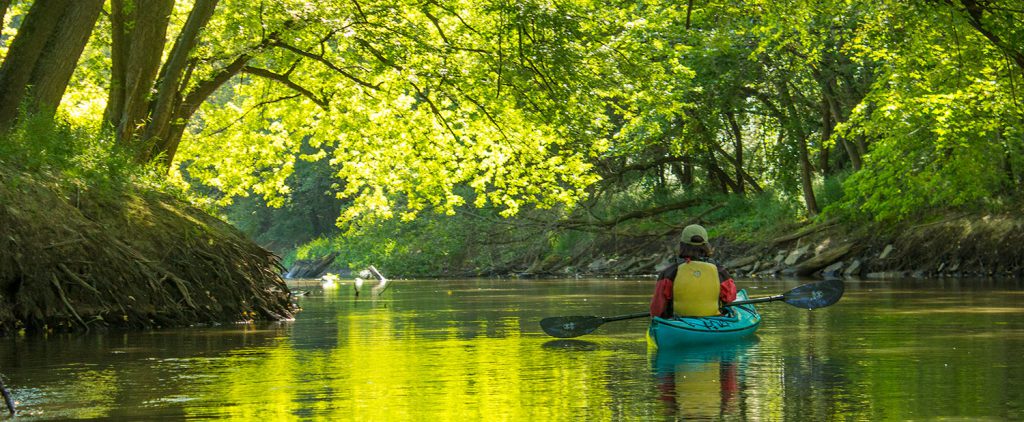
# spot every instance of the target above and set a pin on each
(805, 179)
(54, 68)
(854, 149)
(168, 99)
(168, 143)
(43, 55)
(976, 11)
(23, 55)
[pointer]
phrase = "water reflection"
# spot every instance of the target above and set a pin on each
(473, 350)
(701, 383)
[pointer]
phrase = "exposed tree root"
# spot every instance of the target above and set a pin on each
(133, 259)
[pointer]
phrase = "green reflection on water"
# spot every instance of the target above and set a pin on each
(472, 350)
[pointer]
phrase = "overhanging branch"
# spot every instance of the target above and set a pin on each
(286, 81)
(325, 62)
(645, 213)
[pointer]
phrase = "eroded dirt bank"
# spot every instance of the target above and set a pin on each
(72, 258)
(963, 245)
(966, 245)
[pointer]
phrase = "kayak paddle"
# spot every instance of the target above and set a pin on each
(807, 296)
(575, 326)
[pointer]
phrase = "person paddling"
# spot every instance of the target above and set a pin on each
(693, 285)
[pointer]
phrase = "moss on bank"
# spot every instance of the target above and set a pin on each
(74, 258)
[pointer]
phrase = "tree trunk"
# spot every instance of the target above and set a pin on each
(738, 146)
(187, 107)
(149, 110)
(827, 124)
(152, 125)
(115, 93)
(43, 56)
(716, 172)
(805, 179)
(854, 151)
(743, 175)
(23, 55)
(54, 68)
(861, 147)
(168, 95)
(687, 171)
(3, 390)
(797, 131)
(140, 31)
(4, 4)
(683, 173)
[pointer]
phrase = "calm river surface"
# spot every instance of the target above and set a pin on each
(473, 350)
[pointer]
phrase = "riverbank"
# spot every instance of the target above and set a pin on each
(80, 257)
(960, 245)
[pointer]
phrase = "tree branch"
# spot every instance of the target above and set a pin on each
(975, 10)
(649, 212)
(206, 87)
(437, 25)
(434, 110)
(286, 81)
(325, 62)
(254, 107)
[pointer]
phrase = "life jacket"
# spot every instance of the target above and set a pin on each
(695, 289)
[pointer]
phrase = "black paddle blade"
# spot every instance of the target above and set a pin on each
(570, 326)
(816, 295)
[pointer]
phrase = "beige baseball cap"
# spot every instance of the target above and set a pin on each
(694, 234)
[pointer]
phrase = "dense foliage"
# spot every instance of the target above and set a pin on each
(549, 123)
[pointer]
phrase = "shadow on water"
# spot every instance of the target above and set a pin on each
(571, 345)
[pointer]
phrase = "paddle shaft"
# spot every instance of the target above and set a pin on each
(736, 303)
(758, 300)
(622, 317)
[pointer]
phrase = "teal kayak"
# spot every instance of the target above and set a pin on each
(682, 332)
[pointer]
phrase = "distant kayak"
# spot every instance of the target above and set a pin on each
(675, 333)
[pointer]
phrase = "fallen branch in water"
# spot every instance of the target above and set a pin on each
(384, 283)
(7, 397)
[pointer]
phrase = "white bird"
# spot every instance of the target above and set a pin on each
(358, 285)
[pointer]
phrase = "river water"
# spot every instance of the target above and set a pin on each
(473, 350)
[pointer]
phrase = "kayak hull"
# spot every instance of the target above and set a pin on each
(683, 332)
